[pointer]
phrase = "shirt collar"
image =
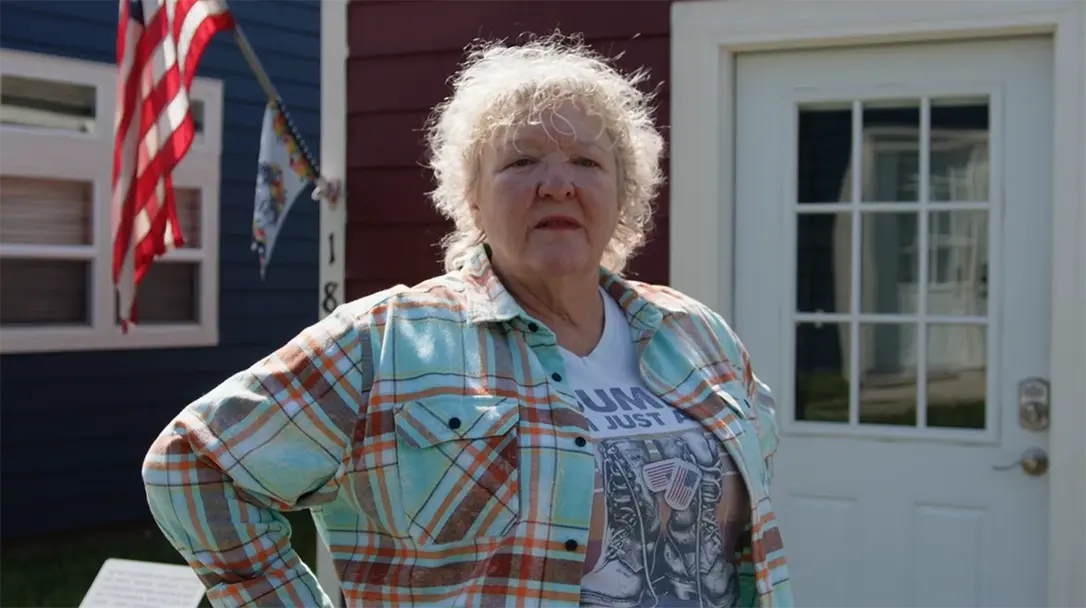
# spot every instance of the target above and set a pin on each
(489, 301)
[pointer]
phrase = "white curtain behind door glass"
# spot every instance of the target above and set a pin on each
(957, 244)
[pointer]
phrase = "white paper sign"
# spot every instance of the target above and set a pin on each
(123, 583)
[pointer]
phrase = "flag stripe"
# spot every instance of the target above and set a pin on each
(159, 45)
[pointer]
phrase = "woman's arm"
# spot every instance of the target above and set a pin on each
(761, 398)
(764, 419)
(765, 411)
(272, 438)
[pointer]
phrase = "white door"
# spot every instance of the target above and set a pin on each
(892, 264)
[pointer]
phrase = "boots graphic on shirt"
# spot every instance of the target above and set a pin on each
(693, 559)
(674, 509)
(632, 528)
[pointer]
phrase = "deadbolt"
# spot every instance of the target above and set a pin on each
(1034, 461)
(1033, 404)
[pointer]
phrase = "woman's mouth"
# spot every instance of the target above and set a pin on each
(557, 223)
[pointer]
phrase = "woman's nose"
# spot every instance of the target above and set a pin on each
(557, 182)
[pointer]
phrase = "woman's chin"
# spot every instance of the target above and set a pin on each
(561, 262)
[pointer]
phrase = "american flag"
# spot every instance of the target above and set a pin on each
(159, 44)
(658, 474)
(683, 486)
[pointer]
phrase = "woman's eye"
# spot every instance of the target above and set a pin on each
(586, 162)
(521, 162)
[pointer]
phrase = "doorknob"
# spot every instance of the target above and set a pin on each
(1034, 461)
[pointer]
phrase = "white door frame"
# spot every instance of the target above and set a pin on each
(705, 39)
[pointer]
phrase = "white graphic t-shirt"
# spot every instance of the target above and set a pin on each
(669, 505)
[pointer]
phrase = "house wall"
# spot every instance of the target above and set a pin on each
(401, 54)
(76, 425)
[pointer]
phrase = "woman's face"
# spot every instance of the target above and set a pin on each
(547, 195)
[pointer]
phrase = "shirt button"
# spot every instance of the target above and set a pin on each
(580, 442)
(571, 545)
(532, 327)
(556, 376)
(454, 423)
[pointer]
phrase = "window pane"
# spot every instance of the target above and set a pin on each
(957, 375)
(34, 102)
(44, 292)
(196, 109)
(959, 150)
(168, 294)
(888, 374)
(46, 211)
(891, 152)
(823, 262)
(821, 376)
(958, 263)
(889, 275)
(187, 201)
(824, 146)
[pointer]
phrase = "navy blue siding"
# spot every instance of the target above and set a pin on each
(75, 426)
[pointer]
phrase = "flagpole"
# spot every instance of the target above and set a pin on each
(324, 189)
(254, 63)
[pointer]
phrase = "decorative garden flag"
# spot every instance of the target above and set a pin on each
(282, 175)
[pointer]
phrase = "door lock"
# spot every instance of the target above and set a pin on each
(1034, 461)
(1033, 404)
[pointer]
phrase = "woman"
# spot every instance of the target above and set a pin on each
(529, 429)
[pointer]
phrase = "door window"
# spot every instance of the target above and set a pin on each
(893, 242)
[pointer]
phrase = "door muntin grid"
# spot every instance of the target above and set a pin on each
(893, 221)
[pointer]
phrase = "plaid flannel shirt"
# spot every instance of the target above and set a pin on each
(432, 434)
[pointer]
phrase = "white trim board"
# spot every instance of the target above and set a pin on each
(707, 36)
(333, 218)
(333, 160)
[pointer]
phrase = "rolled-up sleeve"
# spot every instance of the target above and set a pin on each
(269, 439)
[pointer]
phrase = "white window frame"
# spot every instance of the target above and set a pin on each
(56, 154)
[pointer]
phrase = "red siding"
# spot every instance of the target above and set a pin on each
(401, 54)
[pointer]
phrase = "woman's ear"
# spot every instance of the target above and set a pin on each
(471, 198)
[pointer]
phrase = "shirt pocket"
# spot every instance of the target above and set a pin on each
(457, 465)
(733, 398)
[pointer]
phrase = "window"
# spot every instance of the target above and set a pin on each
(894, 230)
(56, 289)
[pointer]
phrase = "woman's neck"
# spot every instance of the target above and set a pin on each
(570, 306)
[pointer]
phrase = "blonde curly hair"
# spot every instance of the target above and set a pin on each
(501, 86)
